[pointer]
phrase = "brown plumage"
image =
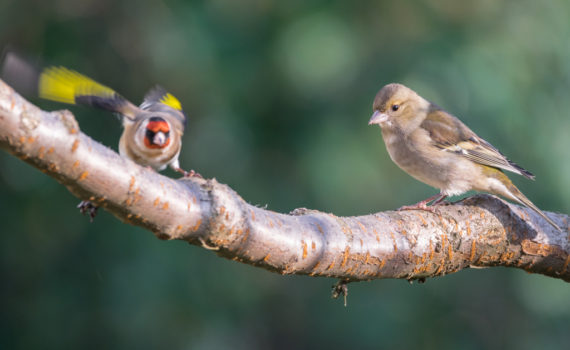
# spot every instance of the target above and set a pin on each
(436, 148)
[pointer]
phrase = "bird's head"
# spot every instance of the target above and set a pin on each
(395, 105)
(156, 133)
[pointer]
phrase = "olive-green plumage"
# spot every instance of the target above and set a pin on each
(436, 148)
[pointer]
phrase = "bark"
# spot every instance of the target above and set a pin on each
(480, 231)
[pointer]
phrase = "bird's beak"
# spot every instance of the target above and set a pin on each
(159, 138)
(378, 118)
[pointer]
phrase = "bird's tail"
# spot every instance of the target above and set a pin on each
(519, 197)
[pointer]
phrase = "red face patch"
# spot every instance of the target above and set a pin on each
(157, 133)
(158, 125)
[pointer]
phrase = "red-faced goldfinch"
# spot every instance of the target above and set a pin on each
(152, 134)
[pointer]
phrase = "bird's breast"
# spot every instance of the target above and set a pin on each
(405, 151)
(416, 155)
(132, 145)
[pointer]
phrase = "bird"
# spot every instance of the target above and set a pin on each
(152, 132)
(436, 148)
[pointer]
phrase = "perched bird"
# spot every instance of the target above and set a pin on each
(152, 134)
(436, 148)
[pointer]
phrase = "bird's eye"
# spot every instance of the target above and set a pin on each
(395, 107)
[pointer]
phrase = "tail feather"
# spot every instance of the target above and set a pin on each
(521, 171)
(521, 198)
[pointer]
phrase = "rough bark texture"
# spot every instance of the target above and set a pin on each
(480, 231)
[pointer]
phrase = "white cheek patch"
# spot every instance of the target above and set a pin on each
(139, 137)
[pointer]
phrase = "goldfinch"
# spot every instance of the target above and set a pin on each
(436, 148)
(152, 134)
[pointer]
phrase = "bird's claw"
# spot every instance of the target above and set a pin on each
(437, 200)
(419, 206)
(190, 173)
(340, 288)
(88, 208)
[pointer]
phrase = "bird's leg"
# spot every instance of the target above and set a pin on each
(190, 173)
(86, 207)
(423, 204)
(340, 288)
(439, 200)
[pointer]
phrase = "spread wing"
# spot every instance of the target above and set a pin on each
(451, 135)
(158, 99)
(64, 85)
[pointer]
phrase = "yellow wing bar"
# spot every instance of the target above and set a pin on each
(64, 85)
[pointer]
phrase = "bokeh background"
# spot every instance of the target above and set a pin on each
(279, 94)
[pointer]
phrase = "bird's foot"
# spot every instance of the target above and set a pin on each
(437, 199)
(190, 173)
(419, 206)
(86, 207)
(340, 288)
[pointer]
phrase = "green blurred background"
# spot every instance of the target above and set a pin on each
(279, 94)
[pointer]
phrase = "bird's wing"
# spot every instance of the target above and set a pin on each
(450, 134)
(64, 85)
(158, 98)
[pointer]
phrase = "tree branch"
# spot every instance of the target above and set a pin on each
(480, 231)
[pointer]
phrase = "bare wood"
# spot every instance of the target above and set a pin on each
(481, 231)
